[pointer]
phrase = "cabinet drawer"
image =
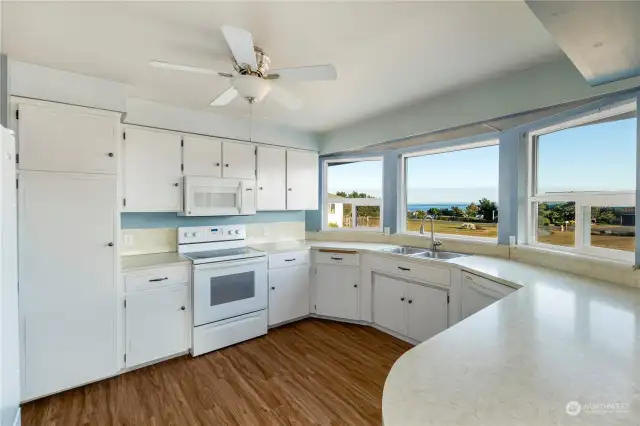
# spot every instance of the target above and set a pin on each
(282, 260)
(337, 257)
(159, 277)
(413, 271)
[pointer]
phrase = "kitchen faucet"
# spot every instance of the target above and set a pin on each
(434, 243)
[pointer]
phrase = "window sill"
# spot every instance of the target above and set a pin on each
(378, 230)
(454, 238)
(528, 248)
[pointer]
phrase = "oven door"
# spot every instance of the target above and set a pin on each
(228, 289)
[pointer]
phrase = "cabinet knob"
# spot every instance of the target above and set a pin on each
(355, 285)
(110, 244)
(110, 154)
(273, 288)
(182, 308)
(176, 184)
(402, 299)
(226, 165)
(260, 188)
(217, 164)
(289, 189)
(410, 301)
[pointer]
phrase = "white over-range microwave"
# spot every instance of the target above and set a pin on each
(208, 196)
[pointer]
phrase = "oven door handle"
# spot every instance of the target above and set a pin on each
(229, 263)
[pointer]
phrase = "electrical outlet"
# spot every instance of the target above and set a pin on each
(387, 230)
(128, 240)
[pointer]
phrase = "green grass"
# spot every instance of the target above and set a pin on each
(489, 230)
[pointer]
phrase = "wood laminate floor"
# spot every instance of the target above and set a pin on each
(312, 372)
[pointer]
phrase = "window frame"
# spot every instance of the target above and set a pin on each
(402, 206)
(353, 201)
(583, 200)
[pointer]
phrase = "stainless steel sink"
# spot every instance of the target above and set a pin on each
(405, 251)
(442, 255)
(420, 252)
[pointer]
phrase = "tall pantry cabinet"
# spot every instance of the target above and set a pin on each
(67, 223)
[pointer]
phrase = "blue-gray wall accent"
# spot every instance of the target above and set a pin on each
(508, 185)
(391, 190)
(313, 218)
(172, 220)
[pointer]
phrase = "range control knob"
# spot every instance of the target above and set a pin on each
(230, 232)
(237, 232)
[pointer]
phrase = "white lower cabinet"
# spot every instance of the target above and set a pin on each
(157, 321)
(414, 310)
(479, 292)
(336, 289)
(288, 292)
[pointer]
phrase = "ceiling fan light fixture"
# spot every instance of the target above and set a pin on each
(251, 87)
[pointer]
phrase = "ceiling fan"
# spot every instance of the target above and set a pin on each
(252, 79)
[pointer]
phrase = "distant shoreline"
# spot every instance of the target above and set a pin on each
(425, 207)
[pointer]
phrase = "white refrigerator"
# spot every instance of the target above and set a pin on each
(9, 340)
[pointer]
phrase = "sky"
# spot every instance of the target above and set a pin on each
(594, 157)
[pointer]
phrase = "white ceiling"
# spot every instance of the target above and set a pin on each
(387, 54)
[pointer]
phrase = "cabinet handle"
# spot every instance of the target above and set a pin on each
(110, 244)
(249, 189)
(355, 285)
(226, 165)
(336, 258)
(410, 301)
(182, 308)
(153, 280)
(273, 288)
(110, 154)
(290, 260)
(403, 269)
(402, 299)
(176, 184)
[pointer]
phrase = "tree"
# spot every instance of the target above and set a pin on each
(457, 211)
(433, 211)
(370, 211)
(471, 210)
(487, 208)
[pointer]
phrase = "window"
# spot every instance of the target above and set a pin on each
(458, 187)
(353, 194)
(583, 183)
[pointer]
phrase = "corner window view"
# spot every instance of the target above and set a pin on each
(354, 194)
(585, 196)
(459, 189)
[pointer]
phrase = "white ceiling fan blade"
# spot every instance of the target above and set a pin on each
(241, 44)
(225, 97)
(286, 98)
(188, 68)
(310, 73)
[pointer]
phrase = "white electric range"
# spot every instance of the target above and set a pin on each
(229, 286)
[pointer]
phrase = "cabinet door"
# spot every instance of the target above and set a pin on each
(427, 311)
(152, 175)
(337, 291)
(202, 156)
(156, 324)
(63, 138)
(302, 180)
(272, 178)
(288, 293)
(67, 279)
(239, 160)
(389, 303)
(478, 293)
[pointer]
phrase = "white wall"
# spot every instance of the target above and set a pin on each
(545, 85)
(38, 82)
(147, 113)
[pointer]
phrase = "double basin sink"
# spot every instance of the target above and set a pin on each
(418, 252)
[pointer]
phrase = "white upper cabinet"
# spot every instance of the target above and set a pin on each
(239, 160)
(272, 178)
(302, 180)
(152, 171)
(64, 138)
(202, 156)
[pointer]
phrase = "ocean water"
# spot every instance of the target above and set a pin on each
(425, 207)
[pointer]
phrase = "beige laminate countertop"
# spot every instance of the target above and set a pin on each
(146, 261)
(285, 246)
